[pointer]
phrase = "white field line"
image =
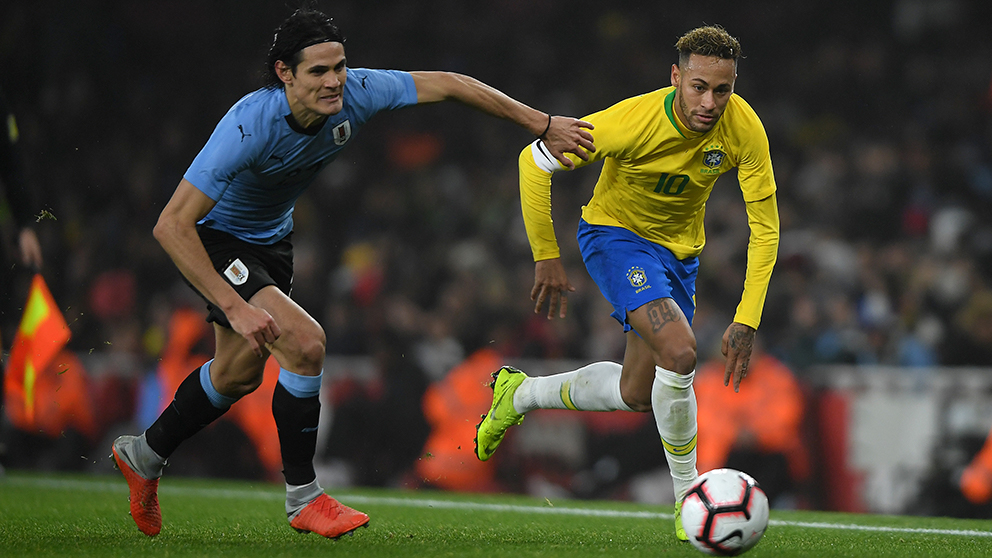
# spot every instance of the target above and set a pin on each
(265, 494)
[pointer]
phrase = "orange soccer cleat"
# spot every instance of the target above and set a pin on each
(328, 517)
(143, 493)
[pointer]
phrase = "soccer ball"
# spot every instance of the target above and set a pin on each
(725, 512)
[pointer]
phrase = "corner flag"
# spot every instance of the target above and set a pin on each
(41, 335)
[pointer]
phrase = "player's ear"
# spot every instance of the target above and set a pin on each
(675, 75)
(284, 72)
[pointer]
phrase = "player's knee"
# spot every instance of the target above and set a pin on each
(683, 359)
(311, 353)
(677, 357)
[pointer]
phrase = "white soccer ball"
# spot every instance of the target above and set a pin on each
(725, 512)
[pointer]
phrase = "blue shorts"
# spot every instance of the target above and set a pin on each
(632, 271)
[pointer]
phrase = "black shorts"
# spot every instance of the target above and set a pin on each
(245, 266)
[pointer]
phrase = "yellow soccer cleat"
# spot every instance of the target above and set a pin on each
(502, 415)
(680, 533)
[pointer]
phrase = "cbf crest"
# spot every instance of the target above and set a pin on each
(713, 156)
(637, 277)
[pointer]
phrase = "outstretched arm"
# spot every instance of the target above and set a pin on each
(176, 232)
(762, 251)
(561, 134)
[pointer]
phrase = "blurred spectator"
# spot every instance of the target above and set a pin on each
(859, 178)
(976, 479)
(758, 430)
(378, 428)
(451, 406)
(970, 341)
(63, 425)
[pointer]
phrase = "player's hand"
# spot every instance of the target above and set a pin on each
(551, 284)
(30, 249)
(738, 341)
(255, 325)
(568, 135)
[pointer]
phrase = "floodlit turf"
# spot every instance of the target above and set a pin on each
(64, 515)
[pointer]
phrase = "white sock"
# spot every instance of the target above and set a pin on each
(148, 463)
(297, 497)
(595, 387)
(674, 405)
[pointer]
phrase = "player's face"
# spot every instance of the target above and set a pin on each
(703, 87)
(315, 90)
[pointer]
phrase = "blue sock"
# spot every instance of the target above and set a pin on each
(217, 399)
(300, 386)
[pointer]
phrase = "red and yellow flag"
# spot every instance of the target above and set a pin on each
(41, 335)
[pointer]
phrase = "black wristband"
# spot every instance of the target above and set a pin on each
(546, 128)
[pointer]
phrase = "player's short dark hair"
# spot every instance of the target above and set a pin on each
(711, 40)
(306, 27)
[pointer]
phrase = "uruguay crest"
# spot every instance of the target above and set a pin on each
(342, 133)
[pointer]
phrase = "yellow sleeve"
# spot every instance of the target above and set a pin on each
(535, 202)
(754, 171)
(616, 128)
(762, 251)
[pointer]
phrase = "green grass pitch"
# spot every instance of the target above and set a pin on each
(71, 515)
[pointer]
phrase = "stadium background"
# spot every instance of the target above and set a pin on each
(411, 252)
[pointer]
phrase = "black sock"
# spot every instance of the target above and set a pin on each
(296, 420)
(189, 412)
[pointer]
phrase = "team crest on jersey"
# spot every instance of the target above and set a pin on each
(637, 277)
(713, 156)
(237, 272)
(342, 133)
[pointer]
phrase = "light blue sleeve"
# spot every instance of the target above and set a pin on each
(233, 146)
(378, 90)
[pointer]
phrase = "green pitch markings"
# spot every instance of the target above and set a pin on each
(79, 515)
(429, 503)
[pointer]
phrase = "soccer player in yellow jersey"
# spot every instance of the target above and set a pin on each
(640, 236)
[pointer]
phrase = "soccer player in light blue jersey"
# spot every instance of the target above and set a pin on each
(228, 229)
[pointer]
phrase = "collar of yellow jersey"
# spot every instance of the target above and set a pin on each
(686, 133)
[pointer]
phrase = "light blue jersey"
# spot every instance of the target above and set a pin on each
(258, 161)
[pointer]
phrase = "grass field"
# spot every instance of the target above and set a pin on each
(65, 515)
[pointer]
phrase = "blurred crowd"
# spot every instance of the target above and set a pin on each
(411, 244)
(878, 115)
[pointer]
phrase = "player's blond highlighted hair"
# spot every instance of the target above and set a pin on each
(711, 40)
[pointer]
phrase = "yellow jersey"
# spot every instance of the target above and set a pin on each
(656, 178)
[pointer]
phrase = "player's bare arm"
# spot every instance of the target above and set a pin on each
(176, 232)
(738, 341)
(551, 284)
(562, 134)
